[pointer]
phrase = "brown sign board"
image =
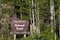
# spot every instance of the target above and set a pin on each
(19, 25)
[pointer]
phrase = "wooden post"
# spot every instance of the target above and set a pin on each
(24, 35)
(14, 36)
(2, 36)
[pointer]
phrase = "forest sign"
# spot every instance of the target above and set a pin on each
(19, 25)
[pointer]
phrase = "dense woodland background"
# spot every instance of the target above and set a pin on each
(44, 17)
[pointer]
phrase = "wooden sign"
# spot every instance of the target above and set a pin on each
(19, 25)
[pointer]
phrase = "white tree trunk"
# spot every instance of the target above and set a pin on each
(33, 15)
(52, 16)
(52, 13)
(1, 14)
(59, 18)
(38, 20)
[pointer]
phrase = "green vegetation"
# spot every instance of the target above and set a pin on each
(38, 13)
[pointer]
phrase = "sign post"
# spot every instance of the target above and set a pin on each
(24, 35)
(14, 36)
(19, 27)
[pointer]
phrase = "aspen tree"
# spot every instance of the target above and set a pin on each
(52, 17)
(59, 16)
(38, 20)
(33, 15)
